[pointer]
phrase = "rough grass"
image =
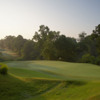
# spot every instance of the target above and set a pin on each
(17, 88)
(20, 88)
(96, 97)
(71, 91)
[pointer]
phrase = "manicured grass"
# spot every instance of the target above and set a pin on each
(29, 73)
(58, 69)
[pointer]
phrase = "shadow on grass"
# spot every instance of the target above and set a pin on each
(97, 97)
(38, 98)
(74, 83)
(16, 88)
(12, 88)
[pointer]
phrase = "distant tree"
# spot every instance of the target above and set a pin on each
(82, 36)
(96, 37)
(87, 58)
(49, 51)
(42, 33)
(89, 47)
(86, 46)
(7, 42)
(65, 48)
(97, 30)
(28, 50)
(19, 43)
(43, 38)
(48, 44)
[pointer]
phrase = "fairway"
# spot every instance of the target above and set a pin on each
(54, 70)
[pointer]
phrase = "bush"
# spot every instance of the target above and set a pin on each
(87, 58)
(97, 61)
(3, 69)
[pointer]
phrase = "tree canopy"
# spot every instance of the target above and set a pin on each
(50, 45)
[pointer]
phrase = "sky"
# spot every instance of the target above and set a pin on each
(70, 17)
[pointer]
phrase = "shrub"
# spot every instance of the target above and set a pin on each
(87, 58)
(97, 61)
(3, 69)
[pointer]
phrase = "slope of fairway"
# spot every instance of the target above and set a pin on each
(56, 69)
(17, 88)
(72, 90)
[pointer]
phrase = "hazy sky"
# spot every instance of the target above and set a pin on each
(70, 17)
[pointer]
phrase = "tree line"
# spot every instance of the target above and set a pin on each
(50, 45)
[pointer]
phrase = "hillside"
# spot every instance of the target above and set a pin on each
(18, 88)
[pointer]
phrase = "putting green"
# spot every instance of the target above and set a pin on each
(55, 69)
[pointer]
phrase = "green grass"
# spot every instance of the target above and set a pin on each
(29, 73)
(17, 88)
(70, 91)
(50, 80)
(56, 69)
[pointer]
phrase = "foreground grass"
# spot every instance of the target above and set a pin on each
(50, 80)
(18, 88)
(72, 90)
